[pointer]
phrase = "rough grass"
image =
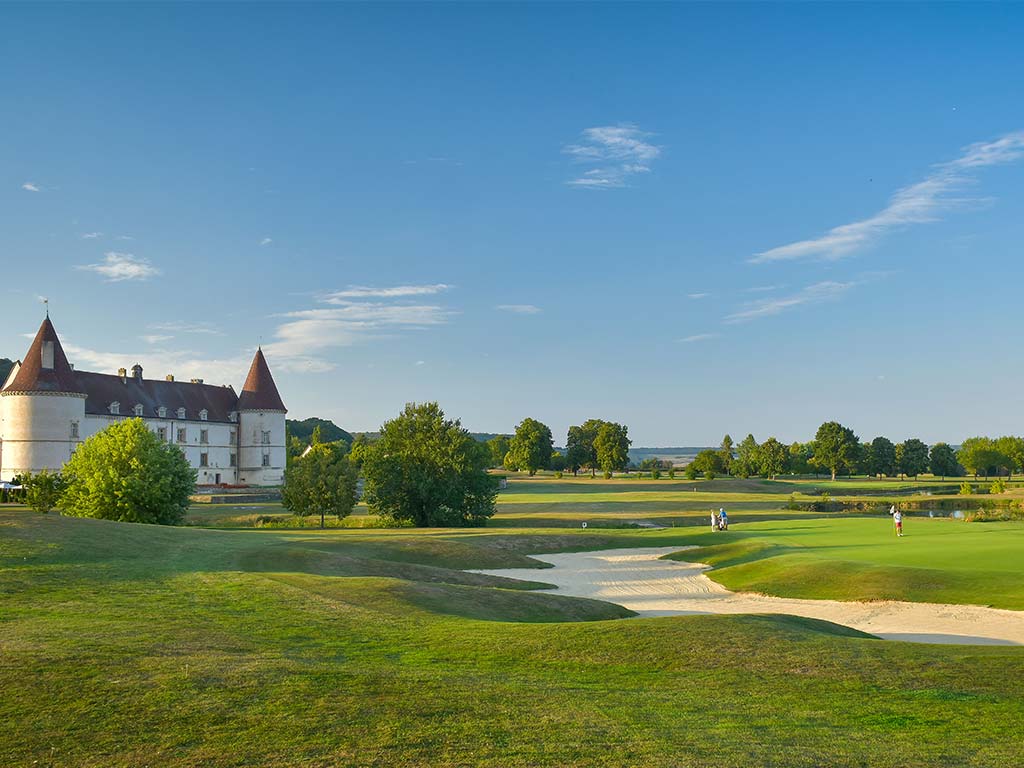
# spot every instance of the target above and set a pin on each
(130, 645)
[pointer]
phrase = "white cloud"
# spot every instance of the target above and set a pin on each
(117, 267)
(615, 152)
(394, 292)
(266, 241)
(124, 237)
(92, 235)
(201, 327)
(697, 296)
(520, 309)
(915, 204)
(813, 294)
(421, 362)
(698, 337)
(155, 338)
(28, 186)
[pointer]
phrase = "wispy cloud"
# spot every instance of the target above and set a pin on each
(117, 267)
(91, 235)
(697, 296)
(28, 186)
(266, 241)
(520, 309)
(614, 154)
(421, 362)
(764, 288)
(915, 204)
(155, 338)
(818, 293)
(698, 337)
(200, 327)
(394, 292)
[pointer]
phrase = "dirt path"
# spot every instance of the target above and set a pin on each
(638, 580)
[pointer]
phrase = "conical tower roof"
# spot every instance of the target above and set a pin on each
(45, 367)
(259, 393)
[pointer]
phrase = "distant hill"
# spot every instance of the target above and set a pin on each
(329, 431)
(5, 368)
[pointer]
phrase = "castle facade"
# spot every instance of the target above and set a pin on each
(47, 408)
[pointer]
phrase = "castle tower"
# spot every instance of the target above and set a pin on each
(42, 408)
(261, 446)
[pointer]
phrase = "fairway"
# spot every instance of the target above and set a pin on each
(131, 644)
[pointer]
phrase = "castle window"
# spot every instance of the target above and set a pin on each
(182, 435)
(266, 459)
(74, 429)
(203, 414)
(161, 432)
(47, 353)
(234, 460)
(115, 408)
(204, 436)
(204, 459)
(231, 439)
(138, 410)
(161, 412)
(181, 413)
(266, 438)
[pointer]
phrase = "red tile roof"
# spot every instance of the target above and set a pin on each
(259, 393)
(104, 388)
(33, 377)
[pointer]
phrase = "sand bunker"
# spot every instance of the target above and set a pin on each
(638, 580)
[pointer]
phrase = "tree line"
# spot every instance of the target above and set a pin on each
(837, 450)
(594, 445)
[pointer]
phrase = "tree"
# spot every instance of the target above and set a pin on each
(979, 455)
(531, 446)
(316, 438)
(1013, 449)
(942, 461)
(43, 490)
(129, 474)
(557, 462)
(323, 482)
(773, 455)
(912, 457)
(429, 470)
(579, 446)
(835, 446)
(360, 447)
(883, 457)
(498, 446)
(725, 451)
(706, 462)
(612, 447)
(747, 462)
(799, 458)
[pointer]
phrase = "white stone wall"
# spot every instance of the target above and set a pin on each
(36, 431)
(252, 425)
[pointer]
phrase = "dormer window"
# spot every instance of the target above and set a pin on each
(203, 414)
(138, 410)
(181, 413)
(162, 412)
(115, 408)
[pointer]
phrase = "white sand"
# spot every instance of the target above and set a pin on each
(638, 580)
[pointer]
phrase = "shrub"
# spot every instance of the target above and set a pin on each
(655, 474)
(671, 474)
(607, 475)
(42, 491)
(558, 475)
(998, 486)
(966, 489)
(690, 472)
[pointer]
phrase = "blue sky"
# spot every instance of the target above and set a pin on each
(692, 219)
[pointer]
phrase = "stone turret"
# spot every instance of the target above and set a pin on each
(261, 433)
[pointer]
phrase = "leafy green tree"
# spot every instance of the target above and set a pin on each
(773, 456)
(706, 461)
(835, 447)
(799, 458)
(129, 474)
(293, 447)
(580, 451)
(612, 447)
(725, 450)
(360, 447)
(747, 461)
(531, 446)
(498, 446)
(43, 490)
(942, 461)
(429, 470)
(979, 455)
(690, 472)
(323, 482)
(557, 462)
(1013, 449)
(509, 462)
(912, 457)
(883, 457)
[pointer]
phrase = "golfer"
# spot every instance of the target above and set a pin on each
(714, 521)
(897, 518)
(723, 520)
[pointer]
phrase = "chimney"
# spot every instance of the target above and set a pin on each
(137, 372)
(197, 381)
(123, 373)
(169, 377)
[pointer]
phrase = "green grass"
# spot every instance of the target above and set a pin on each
(130, 645)
(940, 560)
